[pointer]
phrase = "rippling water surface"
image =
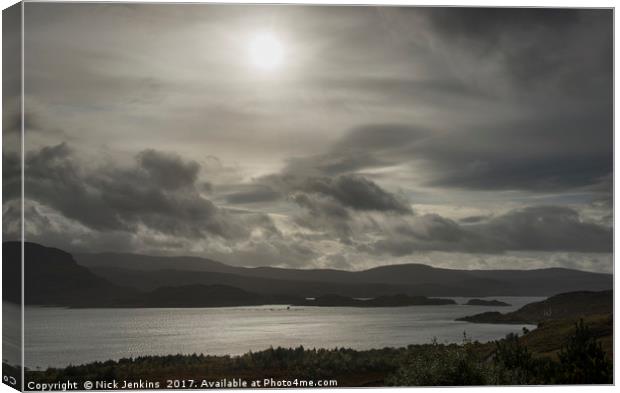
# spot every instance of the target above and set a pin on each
(59, 336)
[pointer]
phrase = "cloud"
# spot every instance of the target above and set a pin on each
(341, 218)
(473, 219)
(546, 228)
(168, 170)
(538, 154)
(534, 228)
(158, 191)
(253, 193)
(567, 52)
(356, 192)
(478, 111)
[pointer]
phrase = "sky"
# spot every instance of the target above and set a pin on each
(319, 136)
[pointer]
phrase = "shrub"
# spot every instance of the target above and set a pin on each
(440, 365)
(582, 359)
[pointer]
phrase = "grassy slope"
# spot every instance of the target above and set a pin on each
(569, 305)
(547, 339)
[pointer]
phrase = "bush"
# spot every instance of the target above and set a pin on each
(440, 365)
(582, 359)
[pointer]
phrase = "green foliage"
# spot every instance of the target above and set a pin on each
(582, 359)
(440, 365)
(514, 364)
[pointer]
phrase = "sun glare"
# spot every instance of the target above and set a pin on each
(266, 51)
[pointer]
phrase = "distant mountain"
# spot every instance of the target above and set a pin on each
(484, 302)
(150, 263)
(52, 277)
(411, 279)
(150, 280)
(563, 306)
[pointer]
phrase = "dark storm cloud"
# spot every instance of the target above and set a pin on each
(558, 67)
(324, 215)
(331, 204)
(333, 163)
(168, 170)
(535, 228)
(379, 137)
(555, 153)
(367, 146)
(255, 193)
(159, 192)
(352, 191)
(557, 45)
(547, 228)
(357, 192)
(473, 219)
(320, 206)
(11, 175)
(548, 154)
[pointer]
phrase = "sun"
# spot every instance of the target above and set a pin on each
(266, 51)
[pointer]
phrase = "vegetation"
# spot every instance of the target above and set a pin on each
(563, 306)
(440, 365)
(581, 360)
(580, 357)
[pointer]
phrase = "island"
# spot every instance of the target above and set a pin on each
(381, 301)
(563, 306)
(482, 302)
(203, 296)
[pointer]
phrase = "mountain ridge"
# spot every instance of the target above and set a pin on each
(56, 277)
(413, 279)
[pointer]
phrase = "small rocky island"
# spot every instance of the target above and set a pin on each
(381, 301)
(482, 302)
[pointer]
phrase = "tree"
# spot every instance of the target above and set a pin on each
(582, 359)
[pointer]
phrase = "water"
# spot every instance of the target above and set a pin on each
(11, 333)
(58, 337)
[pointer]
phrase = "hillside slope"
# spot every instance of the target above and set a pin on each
(563, 306)
(52, 277)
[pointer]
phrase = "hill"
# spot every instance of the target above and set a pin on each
(563, 306)
(148, 280)
(52, 277)
(411, 279)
